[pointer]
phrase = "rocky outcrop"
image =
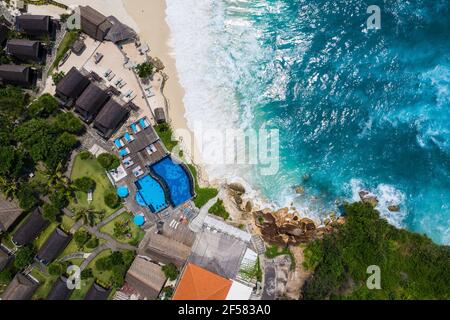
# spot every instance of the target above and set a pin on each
(369, 198)
(237, 188)
(284, 227)
(394, 208)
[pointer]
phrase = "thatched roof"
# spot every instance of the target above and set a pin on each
(119, 31)
(143, 139)
(5, 258)
(146, 278)
(30, 229)
(110, 117)
(15, 74)
(23, 49)
(60, 291)
(20, 288)
(9, 212)
(72, 85)
(93, 23)
(97, 292)
(33, 24)
(166, 250)
(54, 245)
(90, 102)
(3, 34)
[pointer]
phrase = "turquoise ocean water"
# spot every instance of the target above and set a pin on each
(356, 108)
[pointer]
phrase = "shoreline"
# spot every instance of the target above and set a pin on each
(150, 17)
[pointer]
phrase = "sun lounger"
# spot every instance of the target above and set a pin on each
(89, 196)
(118, 82)
(128, 137)
(132, 97)
(144, 123)
(122, 84)
(128, 93)
(124, 152)
(119, 143)
(107, 72)
(153, 148)
(111, 76)
(135, 127)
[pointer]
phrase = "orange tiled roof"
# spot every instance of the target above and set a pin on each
(200, 284)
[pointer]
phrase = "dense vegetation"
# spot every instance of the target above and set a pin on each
(412, 266)
(219, 210)
(145, 70)
(35, 138)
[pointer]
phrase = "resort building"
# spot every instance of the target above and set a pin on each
(197, 283)
(60, 291)
(16, 75)
(160, 116)
(71, 86)
(119, 32)
(24, 50)
(97, 292)
(110, 118)
(90, 102)
(54, 245)
(35, 25)
(146, 278)
(93, 23)
(9, 213)
(20, 288)
(165, 250)
(30, 229)
(5, 258)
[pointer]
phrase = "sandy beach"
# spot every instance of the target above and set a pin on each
(153, 29)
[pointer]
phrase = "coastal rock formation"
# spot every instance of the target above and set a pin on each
(299, 190)
(394, 208)
(237, 188)
(369, 198)
(283, 227)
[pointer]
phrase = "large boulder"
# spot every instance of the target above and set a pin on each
(394, 208)
(366, 197)
(237, 187)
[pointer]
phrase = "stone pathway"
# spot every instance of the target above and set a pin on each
(197, 224)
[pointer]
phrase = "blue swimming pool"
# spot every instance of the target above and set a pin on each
(176, 180)
(151, 194)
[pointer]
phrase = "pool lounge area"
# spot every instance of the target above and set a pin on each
(176, 178)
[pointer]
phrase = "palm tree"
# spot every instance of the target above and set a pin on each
(8, 188)
(89, 216)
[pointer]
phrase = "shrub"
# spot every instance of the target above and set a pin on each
(219, 210)
(84, 184)
(92, 243)
(27, 197)
(108, 161)
(170, 271)
(50, 212)
(145, 70)
(112, 200)
(56, 269)
(85, 155)
(6, 276)
(57, 77)
(24, 257)
(81, 237)
(86, 274)
(59, 198)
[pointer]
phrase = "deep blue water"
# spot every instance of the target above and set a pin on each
(356, 108)
(150, 193)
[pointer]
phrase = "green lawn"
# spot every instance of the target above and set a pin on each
(67, 223)
(136, 233)
(40, 240)
(64, 46)
(219, 210)
(203, 195)
(78, 294)
(165, 134)
(102, 276)
(46, 284)
(92, 169)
